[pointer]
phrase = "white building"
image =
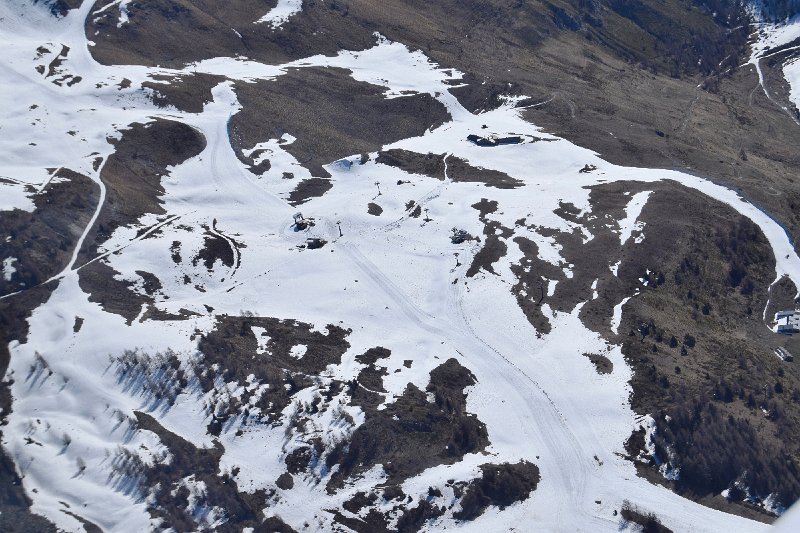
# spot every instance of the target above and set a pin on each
(788, 321)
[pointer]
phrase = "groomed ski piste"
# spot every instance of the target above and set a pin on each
(390, 279)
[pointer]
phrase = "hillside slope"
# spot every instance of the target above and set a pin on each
(534, 278)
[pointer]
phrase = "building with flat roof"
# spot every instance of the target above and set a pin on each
(788, 321)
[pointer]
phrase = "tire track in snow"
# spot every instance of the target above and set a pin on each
(237, 254)
(141, 237)
(554, 430)
(550, 422)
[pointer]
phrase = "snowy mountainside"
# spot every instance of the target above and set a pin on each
(442, 337)
(779, 41)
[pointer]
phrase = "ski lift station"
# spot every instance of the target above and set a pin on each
(300, 222)
(788, 321)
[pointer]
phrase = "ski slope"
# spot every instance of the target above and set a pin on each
(389, 278)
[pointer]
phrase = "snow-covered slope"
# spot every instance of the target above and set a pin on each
(774, 39)
(396, 281)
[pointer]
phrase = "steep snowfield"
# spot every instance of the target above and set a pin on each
(389, 278)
